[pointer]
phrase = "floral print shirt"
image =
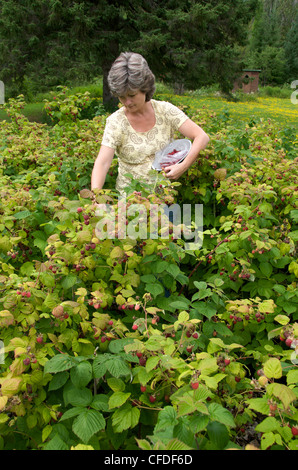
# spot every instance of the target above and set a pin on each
(136, 150)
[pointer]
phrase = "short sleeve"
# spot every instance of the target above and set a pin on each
(175, 116)
(111, 135)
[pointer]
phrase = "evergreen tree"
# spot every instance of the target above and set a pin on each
(291, 42)
(272, 41)
(191, 43)
(194, 43)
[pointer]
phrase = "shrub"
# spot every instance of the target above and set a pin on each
(141, 343)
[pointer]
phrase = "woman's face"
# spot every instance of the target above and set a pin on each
(133, 101)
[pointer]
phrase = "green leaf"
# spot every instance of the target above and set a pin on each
(282, 319)
(46, 432)
(99, 367)
(294, 235)
(27, 269)
(175, 444)
(143, 444)
(199, 422)
(154, 289)
(59, 363)
(221, 414)
(180, 304)
(78, 396)
(212, 382)
(22, 215)
(284, 393)
(259, 404)
(292, 377)
(107, 362)
(56, 443)
(118, 367)
(148, 278)
(205, 309)
(117, 399)
(58, 380)
(81, 374)
(173, 269)
(100, 402)
(266, 268)
(41, 244)
(267, 440)
(201, 294)
(218, 435)
(117, 385)
(289, 307)
(166, 419)
(183, 317)
(269, 424)
(161, 266)
(118, 345)
(69, 281)
(75, 411)
(88, 423)
(200, 285)
(151, 363)
(280, 289)
(267, 306)
(47, 279)
(125, 417)
(272, 369)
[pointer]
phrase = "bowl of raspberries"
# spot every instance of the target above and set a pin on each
(173, 153)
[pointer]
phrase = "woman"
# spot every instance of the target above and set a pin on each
(140, 128)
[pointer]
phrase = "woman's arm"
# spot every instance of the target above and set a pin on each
(101, 167)
(199, 139)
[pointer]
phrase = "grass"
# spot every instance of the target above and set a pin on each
(269, 103)
(281, 110)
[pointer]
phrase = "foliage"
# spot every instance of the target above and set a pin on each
(123, 343)
(47, 43)
(271, 41)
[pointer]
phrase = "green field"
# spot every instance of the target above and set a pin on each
(247, 107)
(277, 109)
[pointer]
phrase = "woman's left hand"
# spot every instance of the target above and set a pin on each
(173, 172)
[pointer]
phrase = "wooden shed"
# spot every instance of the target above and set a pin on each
(248, 82)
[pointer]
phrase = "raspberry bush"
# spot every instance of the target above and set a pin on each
(140, 343)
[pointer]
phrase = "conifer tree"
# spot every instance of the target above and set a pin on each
(190, 43)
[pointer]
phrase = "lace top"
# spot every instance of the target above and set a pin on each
(136, 150)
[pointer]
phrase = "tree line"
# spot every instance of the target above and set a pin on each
(188, 43)
(272, 41)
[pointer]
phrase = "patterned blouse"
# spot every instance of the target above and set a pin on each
(136, 150)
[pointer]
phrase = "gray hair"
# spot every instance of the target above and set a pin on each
(130, 72)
